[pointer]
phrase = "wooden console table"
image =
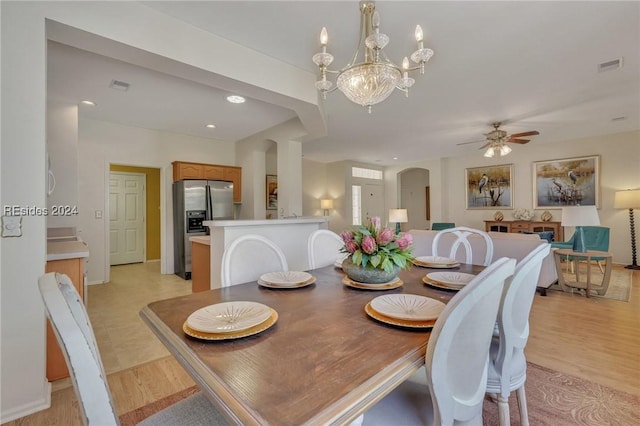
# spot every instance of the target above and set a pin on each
(518, 226)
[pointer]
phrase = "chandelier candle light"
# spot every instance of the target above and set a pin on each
(371, 81)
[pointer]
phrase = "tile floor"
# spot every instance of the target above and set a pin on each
(124, 340)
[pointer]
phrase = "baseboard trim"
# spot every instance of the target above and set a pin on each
(29, 408)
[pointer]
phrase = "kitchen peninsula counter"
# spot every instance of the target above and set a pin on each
(289, 234)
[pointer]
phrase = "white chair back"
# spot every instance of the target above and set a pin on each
(250, 256)
(324, 248)
(507, 368)
(458, 349)
(73, 330)
(461, 238)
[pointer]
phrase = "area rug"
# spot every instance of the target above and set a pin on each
(619, 283)
(553, 399)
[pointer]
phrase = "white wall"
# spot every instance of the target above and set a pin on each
(314, 188)
(101, 144)
(619, 169)
(62, 146)
(22, 372)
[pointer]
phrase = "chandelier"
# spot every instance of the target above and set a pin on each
(371, 80)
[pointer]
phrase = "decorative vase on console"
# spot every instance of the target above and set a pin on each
(523, 214)
(375, 254)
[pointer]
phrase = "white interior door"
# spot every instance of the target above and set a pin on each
(373, 202)
(126, 216)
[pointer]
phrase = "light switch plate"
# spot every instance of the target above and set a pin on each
(11, 226)
(98, 214)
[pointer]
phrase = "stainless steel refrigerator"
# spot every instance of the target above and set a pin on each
(195, 201)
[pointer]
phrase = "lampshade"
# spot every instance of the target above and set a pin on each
(629, 199)
(580, 216)
(326, 204)
(398, 215)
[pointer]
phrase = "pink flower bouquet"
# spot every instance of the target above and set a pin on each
(375, 247)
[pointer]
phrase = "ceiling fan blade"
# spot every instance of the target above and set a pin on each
(485, 145)
(469, 143)
(522, 141)
(531, 133)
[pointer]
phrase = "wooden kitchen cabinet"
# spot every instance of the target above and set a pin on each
(518, 226)
(213, 172)
(73, 268)
(234, 174)
(185, 171)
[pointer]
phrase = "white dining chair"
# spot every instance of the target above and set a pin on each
(460, 237)
(75, 336)
(324, 248)
(507, 362)
(248, 257)
(452, 390)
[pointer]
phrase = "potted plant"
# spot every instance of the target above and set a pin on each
(375, 254)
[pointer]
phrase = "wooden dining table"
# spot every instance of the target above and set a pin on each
(324, 361)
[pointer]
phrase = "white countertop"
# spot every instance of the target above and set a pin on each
(60, 250)
(201, 239)
(262, 222)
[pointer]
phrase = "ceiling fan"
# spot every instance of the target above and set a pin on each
(497, 139)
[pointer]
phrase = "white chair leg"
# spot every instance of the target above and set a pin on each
(503, 411)
(522, 406)
(599, 262)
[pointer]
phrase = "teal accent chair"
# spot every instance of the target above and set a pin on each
(439, 226)
(595, 238)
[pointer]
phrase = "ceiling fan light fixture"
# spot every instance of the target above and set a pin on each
(490, 152)
(504, 150)
(372, 78)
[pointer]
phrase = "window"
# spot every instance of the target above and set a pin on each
(359, 172)
(356, 204)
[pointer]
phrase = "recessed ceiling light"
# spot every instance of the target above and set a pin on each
(235, 99)
(395, 158)
(211, 126)
(90, 103)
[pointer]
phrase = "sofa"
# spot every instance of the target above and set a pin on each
(512, 245)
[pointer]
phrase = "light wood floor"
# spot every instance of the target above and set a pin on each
(595, 339)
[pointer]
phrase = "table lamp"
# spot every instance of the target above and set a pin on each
(326, 205)
(398, 216)
(580, 216)
(629, 199)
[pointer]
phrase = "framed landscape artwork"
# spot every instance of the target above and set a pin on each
(489, 187)
(566, 182)
(272, 192)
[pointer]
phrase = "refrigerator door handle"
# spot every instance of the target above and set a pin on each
(209, 213)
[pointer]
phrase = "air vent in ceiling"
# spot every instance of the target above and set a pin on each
(119, 85)
(610, 65)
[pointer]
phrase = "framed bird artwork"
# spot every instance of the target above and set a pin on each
(566, 182)
(489, 187)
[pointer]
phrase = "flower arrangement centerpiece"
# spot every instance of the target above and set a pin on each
(375, 254)
(523, 214)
